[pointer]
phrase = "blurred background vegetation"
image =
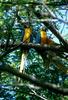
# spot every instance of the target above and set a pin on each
(52, 70)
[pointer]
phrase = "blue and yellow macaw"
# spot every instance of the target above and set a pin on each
(49, 56)
(26, 39)
(42, 38)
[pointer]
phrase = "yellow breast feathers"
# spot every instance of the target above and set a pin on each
(27, 33)
(43, 37)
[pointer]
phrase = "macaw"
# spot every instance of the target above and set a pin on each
(49, 57)
(42, 38)
(26, 39)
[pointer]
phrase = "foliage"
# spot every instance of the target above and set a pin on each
(53, 69)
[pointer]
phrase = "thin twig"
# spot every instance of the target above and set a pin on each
(37, 95)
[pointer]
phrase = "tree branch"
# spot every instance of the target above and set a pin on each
(37, 3)
(51, 14)
(10, 50)
(46, 85)
(37, 47)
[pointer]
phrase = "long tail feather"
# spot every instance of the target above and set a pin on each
(23, 59)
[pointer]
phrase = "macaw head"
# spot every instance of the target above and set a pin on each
(26, 25)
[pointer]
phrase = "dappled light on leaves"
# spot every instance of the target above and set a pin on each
(33, 49)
